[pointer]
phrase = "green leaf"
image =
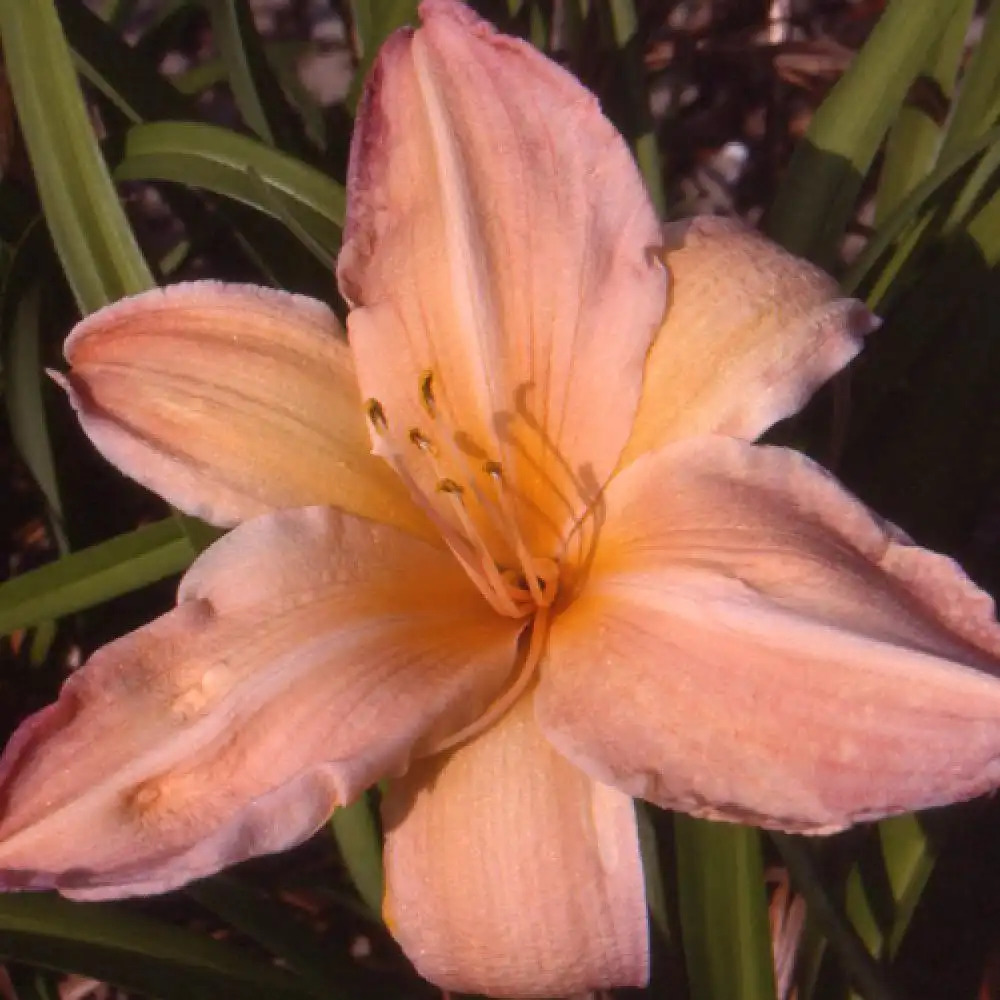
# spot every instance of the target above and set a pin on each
(656, 896)
(916, 137)
(625, 25)
(977, 109)
(356, 832)
(91, 234)
(239, 48)
(919, 199)
(977, 106)
(275, 927)
(816, 200)
(167, 23)
(123, 74)
(881, 898)
(723, 911)
(125, 948)
(236, 166)
(255, 86)
(20, 329)
(863, 971)
(95, 574)
(284, 59)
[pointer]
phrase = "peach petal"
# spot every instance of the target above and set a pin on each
(510, 873)
(231, 401)
(498, 236)
(753, 644)
(750, 333)
(312, 653)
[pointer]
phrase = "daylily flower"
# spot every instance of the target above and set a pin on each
(564, 578)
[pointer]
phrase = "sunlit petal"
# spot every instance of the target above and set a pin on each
(751, 332)
(498, 238)
(312, 653)
(753, 644)
(511, 873)
(229, 401)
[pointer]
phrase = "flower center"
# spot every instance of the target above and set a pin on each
(467, 485)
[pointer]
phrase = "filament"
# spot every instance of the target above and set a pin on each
(456, 476)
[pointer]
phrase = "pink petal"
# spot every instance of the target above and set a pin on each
(230, 401)
(511, 873)
(752, 644)
(497, 238)
(751, 332)
(311, 654)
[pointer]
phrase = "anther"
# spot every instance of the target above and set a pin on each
(376, 415)
(421, 440)
(427, 392)
(449, 486)
(530, 579)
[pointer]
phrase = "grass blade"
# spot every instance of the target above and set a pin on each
(356, 832)
(816, 200)
(881, 897)
(656, 893)
(119, 71)
(125, 948)
(915, 139)
(723, 911)
(95, 574)
(859, 965)
(255, 86)
(625, 26)
(977, 106)
(912, 205)
(275, 928)
(91, 234)
(20, 331)
(235, 166)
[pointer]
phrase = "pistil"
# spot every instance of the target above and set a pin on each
(496, 709)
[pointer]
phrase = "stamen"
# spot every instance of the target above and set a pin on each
(495, 711)
(501, 598)
(421, 440)
(532, 576)
(427, 393)
(454, 492)
(514, 595)
(465, 549)
(376, 415)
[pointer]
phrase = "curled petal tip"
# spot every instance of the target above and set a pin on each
(58, 377)
(862, 320)
(750, 333)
